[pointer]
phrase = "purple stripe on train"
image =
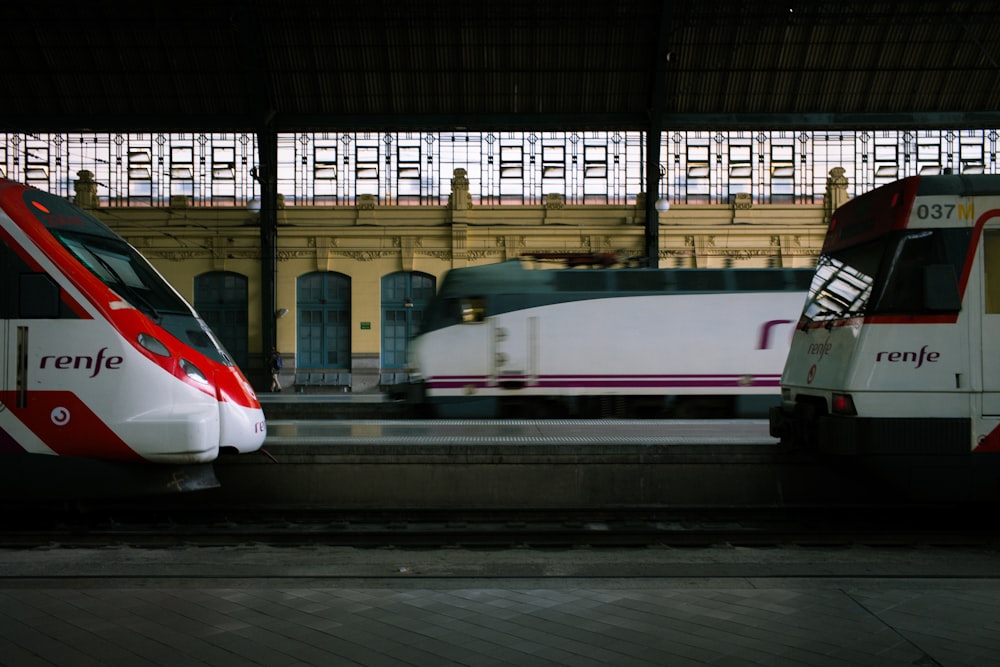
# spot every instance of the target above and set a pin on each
(637, 381)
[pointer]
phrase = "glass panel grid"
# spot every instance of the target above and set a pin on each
(516, 168)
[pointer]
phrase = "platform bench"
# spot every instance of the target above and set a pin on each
(339, 380)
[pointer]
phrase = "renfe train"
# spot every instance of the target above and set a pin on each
(505, 339)
(897, 350)
(102, 359)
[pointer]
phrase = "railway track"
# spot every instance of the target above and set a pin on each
(884, 527)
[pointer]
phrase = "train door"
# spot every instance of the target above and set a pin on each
(9, 265)
(4, 355)
(515, 352)
(991, 320)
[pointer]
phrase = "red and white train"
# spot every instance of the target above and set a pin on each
(101, 358)
(897, 351)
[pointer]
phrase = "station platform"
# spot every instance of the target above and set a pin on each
(259, 605)
(508, 465)
(568, 465)
(291, 404)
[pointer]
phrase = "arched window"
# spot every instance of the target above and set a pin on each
(404, 297)
(324, 321)
(220, 297)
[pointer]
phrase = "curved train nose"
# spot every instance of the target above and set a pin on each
(241, 429)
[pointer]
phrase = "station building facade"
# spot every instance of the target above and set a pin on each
(368, 223)
(352, 280)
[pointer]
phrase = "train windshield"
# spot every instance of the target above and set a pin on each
(122, 269)
(906, 272)
(126, 272)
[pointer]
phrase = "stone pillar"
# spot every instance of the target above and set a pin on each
(742, 201)
(460, 199)
(459, 249)
(638, 216)
(85, 188)
(554, 200)
(836, 192)
(366, 209)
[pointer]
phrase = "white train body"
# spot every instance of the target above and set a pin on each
(503, 339)
(101, 358)
(896, 351)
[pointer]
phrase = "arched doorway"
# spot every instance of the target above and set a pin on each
(405, 295)
(324, 321)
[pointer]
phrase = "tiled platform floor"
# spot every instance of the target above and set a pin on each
(320, 606)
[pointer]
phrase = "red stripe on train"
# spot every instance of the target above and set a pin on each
(66, 425)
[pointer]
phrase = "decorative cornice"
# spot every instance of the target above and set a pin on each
(483, 254)
(367, 255)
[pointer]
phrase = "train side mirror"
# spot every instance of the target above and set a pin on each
(941, 288)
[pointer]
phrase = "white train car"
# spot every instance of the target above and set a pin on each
(101, 358)
(897, 351)
(508, 340)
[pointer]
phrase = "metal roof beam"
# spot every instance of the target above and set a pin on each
(500, 122)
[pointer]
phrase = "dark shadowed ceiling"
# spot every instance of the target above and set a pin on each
(520, 64)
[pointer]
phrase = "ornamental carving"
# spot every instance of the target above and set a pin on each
(482, 254)
(367, 255)
(178, 255)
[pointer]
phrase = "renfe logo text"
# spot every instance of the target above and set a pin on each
(909, 357)
(85, 362)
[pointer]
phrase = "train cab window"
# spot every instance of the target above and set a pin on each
(906, 283)
(991, 269)
(839, 287)
(472, 309)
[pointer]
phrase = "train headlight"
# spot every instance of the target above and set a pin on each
(153, 345)
(247, 388)
(843, 405)
(193, 372)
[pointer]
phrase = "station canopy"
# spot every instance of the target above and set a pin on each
(358, 65)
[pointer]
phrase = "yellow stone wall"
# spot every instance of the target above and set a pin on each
(367, 242)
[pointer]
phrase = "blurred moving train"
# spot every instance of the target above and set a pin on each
(506, 340)
(102, 359)
(897, 350)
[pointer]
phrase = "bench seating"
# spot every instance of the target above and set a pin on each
(332, 379)
(392, 378)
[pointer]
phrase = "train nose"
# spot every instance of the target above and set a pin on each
(241, 429)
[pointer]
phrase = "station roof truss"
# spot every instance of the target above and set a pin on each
(526, 65)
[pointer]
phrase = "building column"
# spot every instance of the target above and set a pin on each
(267, 175)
